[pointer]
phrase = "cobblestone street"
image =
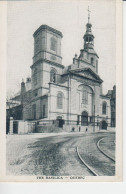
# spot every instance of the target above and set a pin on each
(56, 154)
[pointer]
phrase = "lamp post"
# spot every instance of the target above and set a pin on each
(94, 120)
(106, 122)
(97, 121)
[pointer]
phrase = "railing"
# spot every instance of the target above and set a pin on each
(20, 126)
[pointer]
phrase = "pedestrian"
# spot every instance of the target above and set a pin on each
(86, 129)
(79, 128)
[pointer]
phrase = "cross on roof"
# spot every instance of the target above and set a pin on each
(88, 14)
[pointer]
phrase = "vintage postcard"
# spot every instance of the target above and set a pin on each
(61, 91)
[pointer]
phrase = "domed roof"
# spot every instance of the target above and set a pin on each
(88, 33)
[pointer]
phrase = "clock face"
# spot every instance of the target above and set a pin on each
(37, 44)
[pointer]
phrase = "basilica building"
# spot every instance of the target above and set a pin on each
(65, 96)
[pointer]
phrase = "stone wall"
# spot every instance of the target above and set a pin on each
(25, 127)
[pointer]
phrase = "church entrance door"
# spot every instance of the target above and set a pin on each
(84, 118)
(60, 122)
(104, 125)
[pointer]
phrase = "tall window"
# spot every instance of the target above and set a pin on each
(34, 111)
(37, 45)
(104, 106)
(44, 110)
(35, 77)
(53, 75)
(84, 97)
(92, 61)
(53, 45)
(86, 39)
(90, 40)
(60, 100)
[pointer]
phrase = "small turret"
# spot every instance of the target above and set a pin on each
(88, 57)
(88, 36)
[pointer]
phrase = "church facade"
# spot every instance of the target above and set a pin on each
(61, 96)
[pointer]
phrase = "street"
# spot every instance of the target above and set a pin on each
(61, 154)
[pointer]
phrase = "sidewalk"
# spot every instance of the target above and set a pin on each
(41, 135)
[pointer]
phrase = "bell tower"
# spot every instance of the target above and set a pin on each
(88, 36)
(47, 45)
(88, 57)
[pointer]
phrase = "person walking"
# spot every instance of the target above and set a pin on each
(73, 129)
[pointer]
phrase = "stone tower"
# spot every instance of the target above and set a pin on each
(47, 61)
(47, 44)
(47, 56)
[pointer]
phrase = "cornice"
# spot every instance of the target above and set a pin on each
(45, 27)
(50, 62)
(58, 84)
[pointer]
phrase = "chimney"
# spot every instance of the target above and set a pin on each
(22, 91)
(75, 60)
(28, 83)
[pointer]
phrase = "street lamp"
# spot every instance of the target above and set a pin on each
(94, 120)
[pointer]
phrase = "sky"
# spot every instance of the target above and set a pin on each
(69, 17)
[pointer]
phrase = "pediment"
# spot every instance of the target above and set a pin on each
(87, 73)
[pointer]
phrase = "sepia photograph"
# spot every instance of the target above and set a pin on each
(61, 91)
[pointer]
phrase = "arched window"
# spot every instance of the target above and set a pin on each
(86, 39)
(53, 75)
(84, 97)
(35, 76)
(92, 61)
(90, 40)
(85, 91)
(60, 100)
(53, 45)
(104, 107)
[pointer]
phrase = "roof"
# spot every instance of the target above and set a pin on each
(105, 96)
(76, 72)
(12, 103)
(45, 27)
(88, 33)
(91, 51)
